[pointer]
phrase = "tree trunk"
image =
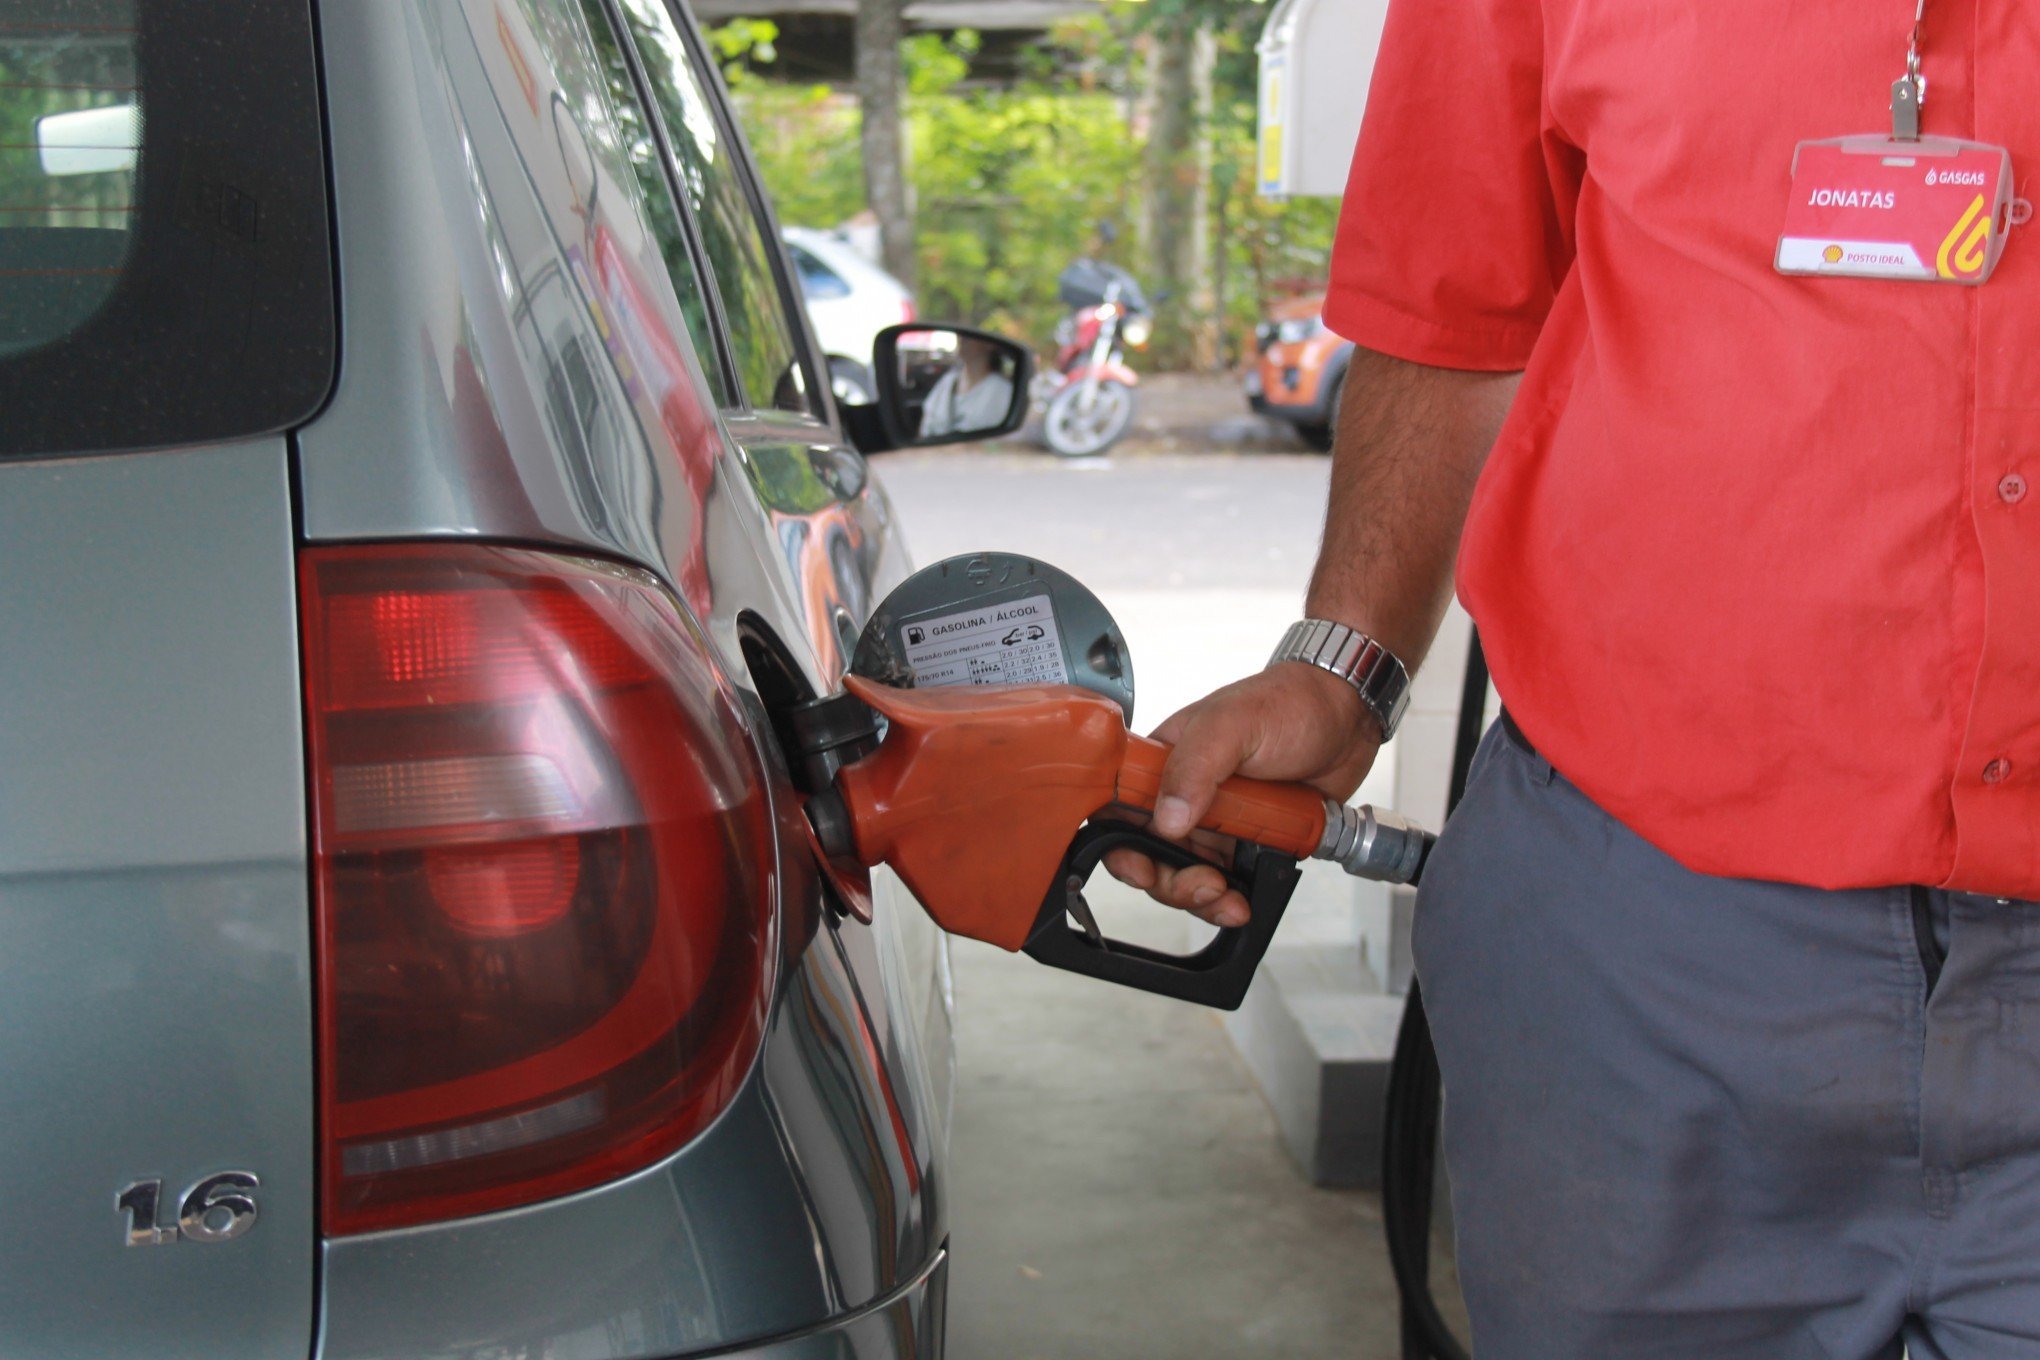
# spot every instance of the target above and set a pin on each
(1178, 231)
(880, 26)
(1203, 292)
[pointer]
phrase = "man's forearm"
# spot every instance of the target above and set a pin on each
(1410, 444)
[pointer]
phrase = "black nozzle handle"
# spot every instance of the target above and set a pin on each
(1217, 975)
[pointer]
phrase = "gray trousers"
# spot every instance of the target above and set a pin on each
(1692, 1116)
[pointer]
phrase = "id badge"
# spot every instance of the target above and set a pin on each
(1935, 210)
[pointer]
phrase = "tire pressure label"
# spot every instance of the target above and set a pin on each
(1014, 643)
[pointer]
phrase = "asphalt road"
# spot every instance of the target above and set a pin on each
(1196, 521)
(1118, 1186)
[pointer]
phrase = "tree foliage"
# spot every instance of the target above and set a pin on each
(1014, 180)
(1014, 184)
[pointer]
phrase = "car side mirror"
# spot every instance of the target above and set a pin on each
(941, 384)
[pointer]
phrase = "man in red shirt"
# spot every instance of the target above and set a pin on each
(1727, 951)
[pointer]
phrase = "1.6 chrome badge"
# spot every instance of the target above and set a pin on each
(217, 1209)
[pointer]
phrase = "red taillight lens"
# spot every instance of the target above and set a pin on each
(539, 838)
(907, 313)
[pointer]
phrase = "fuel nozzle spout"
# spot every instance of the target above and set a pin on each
(1366, 842)
(1372, 843)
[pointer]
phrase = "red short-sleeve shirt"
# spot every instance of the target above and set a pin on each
(1756, 559)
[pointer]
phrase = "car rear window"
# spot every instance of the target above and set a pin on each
(166, 270)
(817, 280)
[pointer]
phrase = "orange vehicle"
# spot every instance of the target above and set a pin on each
(1300, 367)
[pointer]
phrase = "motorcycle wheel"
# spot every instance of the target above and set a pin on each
(1072, 432)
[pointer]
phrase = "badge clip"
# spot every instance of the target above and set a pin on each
(1908, 92)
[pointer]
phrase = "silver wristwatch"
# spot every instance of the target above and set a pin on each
(1383, 681)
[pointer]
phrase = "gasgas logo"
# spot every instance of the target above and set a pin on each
(1964, 249)
(1975, 178)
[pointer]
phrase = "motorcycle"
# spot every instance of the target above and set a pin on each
(1086, 398)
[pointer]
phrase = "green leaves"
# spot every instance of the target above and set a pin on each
(741, 45)
(1012, 181)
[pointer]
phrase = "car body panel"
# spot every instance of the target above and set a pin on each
(832, 523)
(468, 285)
(806, 1200)
(516, 365)
(155, 952)
(909, 1323)
(458, 298)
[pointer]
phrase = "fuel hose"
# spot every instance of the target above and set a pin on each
(1409, 1145)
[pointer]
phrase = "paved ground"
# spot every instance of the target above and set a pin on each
(1196, 413)
(1119, 1191)
(1202, 557)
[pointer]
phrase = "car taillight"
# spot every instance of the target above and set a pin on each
(539, 845)
(908, 316)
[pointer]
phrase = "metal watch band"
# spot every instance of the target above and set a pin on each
(1383, 681)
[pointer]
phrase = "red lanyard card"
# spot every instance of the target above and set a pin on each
(1934, 210)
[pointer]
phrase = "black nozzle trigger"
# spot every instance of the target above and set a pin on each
(1218, 974)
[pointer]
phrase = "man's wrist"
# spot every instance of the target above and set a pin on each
(1375, 673)
(1335, 693)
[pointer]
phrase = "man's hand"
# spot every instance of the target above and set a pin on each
(1294, 722)
(1410, 445)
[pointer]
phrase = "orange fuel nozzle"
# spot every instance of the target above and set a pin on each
(996, 802)
(976, 794)
(1285, 817)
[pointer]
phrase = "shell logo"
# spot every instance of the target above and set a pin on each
(1833, 254)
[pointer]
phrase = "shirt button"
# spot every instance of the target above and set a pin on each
(1996, 771)
(2012, 489)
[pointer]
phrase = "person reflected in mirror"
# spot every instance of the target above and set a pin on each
(975, 394)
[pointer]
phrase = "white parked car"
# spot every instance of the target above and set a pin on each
(849, 300)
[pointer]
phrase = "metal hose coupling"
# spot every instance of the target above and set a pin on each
(1368, 843)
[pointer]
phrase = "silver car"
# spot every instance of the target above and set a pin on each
(421, 508)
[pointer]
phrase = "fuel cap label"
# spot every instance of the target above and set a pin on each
(994, 618)
(1012, 643)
